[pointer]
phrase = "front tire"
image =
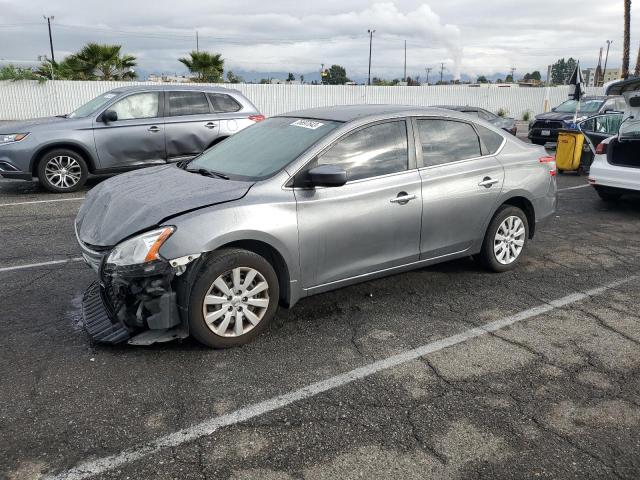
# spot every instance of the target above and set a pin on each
(506, 239)
(62, 171)
(234, 298)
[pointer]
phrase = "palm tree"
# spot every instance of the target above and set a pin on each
(208, 67)
(93, 62)
(637, 72)
(626, 46)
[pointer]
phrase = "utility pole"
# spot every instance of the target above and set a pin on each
(371, 32)
(441, 71)
(513, 71)
(53, 58)
(548, 74)
(428, 69)
(606, 59)
(197, 42)
(404, 78)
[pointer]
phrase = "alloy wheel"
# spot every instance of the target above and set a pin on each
(63, 171)
(236, 302)
(509, 240)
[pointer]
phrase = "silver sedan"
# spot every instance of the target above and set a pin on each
(300, 204)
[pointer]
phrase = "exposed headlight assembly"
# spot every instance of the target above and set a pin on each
(11, 137)
(140, 249)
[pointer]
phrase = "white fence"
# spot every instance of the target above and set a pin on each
(29, 99)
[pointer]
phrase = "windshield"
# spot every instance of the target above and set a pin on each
(264, 148)
(93, 105)
(586, 106)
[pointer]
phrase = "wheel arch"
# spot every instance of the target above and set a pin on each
(274, 257)
(74, 147)
(524, 204)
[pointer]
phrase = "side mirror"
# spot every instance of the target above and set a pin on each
(109, 116)
(327, 176)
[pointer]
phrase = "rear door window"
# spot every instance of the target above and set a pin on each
(223, 103)
(188, 103)
(445, 141)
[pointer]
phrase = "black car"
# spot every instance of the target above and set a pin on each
(544, 128)
(506, 123)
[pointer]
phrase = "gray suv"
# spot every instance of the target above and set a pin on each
(126, 128)
(300, 204)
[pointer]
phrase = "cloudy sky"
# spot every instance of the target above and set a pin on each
(470, 36)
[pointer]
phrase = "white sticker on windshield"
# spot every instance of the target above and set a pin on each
(310, 124)
(109, 96)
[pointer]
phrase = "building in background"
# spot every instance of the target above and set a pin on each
(611, 74)
(162, 78)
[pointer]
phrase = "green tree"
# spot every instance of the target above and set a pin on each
(264, 81)
(301, 78)
(207, 67)
(291, 77)
(562, 70)
(93, 62)
(508, 79)
(482, 79)
(233, 78)
(11, 72)
(337, 75)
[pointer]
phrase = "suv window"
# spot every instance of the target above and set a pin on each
(445, 141)
(138, 105)
(372, 151)
(609, 105)
(188, 103)
(223, 103)
(491, 140)
(621, 105)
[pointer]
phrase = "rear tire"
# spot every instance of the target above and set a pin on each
(609, 194)
(62, 171)
(232, 315)
(506, 239)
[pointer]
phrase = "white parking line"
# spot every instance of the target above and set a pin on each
(43, 264)
(574, 188)
(42, 201)
(101, 465)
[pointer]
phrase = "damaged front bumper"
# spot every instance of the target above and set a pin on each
(138, 304)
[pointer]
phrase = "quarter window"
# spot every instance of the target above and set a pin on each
(223, 103)
(138, 105)
(372, 151)
(445, 141)
(188, 103)
(491, 140)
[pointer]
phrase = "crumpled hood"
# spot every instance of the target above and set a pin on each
(132, 202)
(25, 126)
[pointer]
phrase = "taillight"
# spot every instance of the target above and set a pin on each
(256, 118)
(550, 161)
(601, 149)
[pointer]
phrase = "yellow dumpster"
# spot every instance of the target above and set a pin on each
(569, 150)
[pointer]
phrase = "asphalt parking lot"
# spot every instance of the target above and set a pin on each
(549, 387)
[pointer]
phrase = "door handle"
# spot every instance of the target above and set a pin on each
(210, 125)
(403, 198)
(487, 182)
(154, 129)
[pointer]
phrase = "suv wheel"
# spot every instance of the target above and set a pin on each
(505, 240)
(62, 171)
(233, 299)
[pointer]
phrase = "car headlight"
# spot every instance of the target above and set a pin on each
(141, 249)
(11, 137)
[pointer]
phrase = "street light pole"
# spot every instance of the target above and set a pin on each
(371, 32)
(606, 58)
(428, 69)
(53, 58)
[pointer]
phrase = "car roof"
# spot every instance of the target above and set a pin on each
(621, 86)
(173, 86)
(459, 108)
(348, 113)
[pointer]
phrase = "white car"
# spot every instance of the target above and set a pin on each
(616, 166)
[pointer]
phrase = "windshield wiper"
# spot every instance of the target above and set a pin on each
(209, 173)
